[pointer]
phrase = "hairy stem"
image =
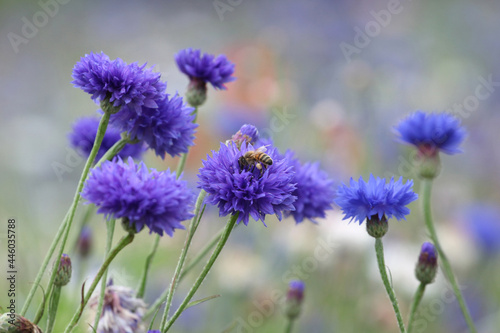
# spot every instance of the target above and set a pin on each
(379, 249)
(414, 305)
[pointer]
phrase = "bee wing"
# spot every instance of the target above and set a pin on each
(261, 149)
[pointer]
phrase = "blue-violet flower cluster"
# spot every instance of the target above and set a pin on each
(315, 192)
(83, 136)
(206, 68)
(376, 197)
(169, 128)
(117, 82)
(432, 132)
(151, 198)
(247, 191)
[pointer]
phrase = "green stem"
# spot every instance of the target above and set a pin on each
(68, 219)
(220, 245)
(445, 264)
(114, 150)
(110, 229)
(142, 284)
(189, 266)
(289, 326)
(414, 305)
(53, 304)
(112, 254)
(379, 249)
(193, 225)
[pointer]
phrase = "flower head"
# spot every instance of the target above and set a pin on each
(63, 275)
(83, 136)
(294, 298)
(84, 243)
(314, 192)
(168, 128)
(206, 68)
(144, 197)
(363, 200)
(117, 82)
(247, 134)
(426, 268)
(122, 312)
(14, 323)
(247, 190)
(432, 132)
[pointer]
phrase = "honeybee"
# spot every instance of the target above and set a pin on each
(256, 158)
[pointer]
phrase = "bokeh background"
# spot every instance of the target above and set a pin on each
(308, 78)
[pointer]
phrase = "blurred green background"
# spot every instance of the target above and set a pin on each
(328, 79)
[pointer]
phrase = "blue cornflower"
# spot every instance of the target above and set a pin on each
(166, 129)
(144, 197)
(363, 200)
(83, 135)
(206, 68)
(314, 192)
(247, 190)
(432, 132)
(117, 82)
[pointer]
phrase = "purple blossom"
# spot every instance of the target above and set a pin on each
(207, 68)
(117, 82)
(166, 129)
(362, 200)
(248, 190)
(247, 134)
(432, 132)
(315, 192)
(83, 135)
(145, 197)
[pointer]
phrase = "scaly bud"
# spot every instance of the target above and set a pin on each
(84, 244)
(377, 227)
(63, 275)
(427, 263)
(14, 323)
(294, 297)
